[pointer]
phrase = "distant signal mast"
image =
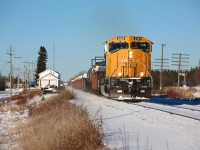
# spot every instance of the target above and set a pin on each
(180, 60)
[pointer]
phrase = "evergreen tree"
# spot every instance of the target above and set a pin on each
(41, 62)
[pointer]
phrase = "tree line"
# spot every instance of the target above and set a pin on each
(170, 78)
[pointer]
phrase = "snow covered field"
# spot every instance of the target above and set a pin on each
(126, 126)
(133, 127)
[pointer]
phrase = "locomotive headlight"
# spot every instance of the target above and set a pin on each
(141, 74)
(130, 54)
(119, 74)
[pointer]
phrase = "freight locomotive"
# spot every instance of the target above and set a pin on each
(123, 73)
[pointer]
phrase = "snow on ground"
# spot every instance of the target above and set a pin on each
(128, 126)
(11, 117)
(197, 93)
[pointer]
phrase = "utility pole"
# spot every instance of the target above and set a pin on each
(54, 56)
(11, 70)
(26, 79)
(18, 72)
(161, 68)
(180, 61)
(161, 63)
(33, 70)
(34, 66)
(29, 72)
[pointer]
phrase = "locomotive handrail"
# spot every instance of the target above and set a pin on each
(115, 68)
(149, 75)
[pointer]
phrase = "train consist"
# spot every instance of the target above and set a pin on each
(123, 73)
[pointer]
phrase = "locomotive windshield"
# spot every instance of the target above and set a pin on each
(140, 45)
(115, 46)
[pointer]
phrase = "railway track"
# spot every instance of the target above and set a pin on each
(191, 113)
(175, 104)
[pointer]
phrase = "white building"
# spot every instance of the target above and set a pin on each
(49, 77)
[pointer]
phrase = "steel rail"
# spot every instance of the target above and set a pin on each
(167, 111)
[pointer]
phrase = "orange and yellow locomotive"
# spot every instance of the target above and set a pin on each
(127, 67)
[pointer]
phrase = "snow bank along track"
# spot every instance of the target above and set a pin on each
(176, 110)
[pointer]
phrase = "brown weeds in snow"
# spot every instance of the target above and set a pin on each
(179, 93)
(18, 102)
(58, 124)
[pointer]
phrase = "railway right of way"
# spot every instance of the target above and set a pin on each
(174, 110)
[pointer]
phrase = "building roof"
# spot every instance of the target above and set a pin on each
(47, 72)
(49, 69)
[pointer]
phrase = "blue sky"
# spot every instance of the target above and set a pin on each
(79, 28)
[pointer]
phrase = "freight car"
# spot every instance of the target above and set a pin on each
(80, 82)
(124, 71)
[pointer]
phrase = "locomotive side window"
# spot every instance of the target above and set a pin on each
(115, 46)
(140, 45)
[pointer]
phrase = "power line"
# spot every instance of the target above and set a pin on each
(4, 66)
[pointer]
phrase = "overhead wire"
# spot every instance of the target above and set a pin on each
(4, 66)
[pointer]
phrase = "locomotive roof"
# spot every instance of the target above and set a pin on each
(129, 38)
